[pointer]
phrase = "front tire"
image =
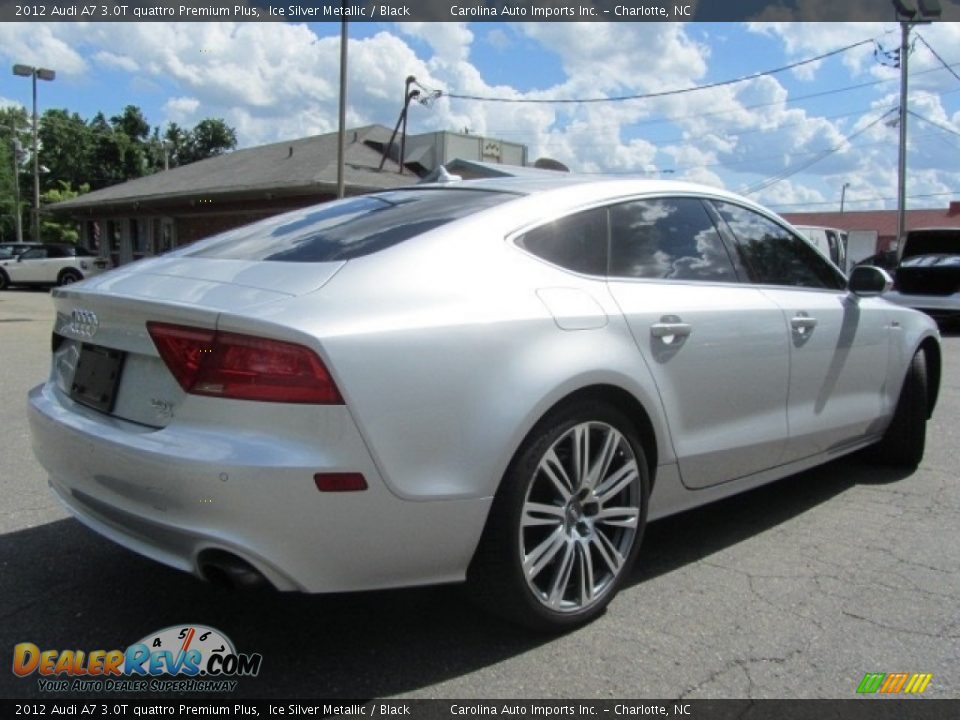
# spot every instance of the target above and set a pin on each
(904, 441)
(4, 280)
(567, 521)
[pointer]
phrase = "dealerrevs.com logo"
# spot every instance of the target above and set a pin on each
(181, 658)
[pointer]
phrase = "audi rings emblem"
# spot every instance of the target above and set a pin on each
(84, 323)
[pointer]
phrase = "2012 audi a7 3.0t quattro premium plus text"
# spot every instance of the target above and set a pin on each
(497, 380)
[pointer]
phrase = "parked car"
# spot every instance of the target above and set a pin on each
(832, 242)
(928, 276)
(498, 381)
(50, 264)
(13, 249)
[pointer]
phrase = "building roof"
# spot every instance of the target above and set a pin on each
(290, 167)
(883, 221)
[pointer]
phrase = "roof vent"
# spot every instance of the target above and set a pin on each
(954, 208)
(290, 152)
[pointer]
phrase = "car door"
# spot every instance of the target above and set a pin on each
(29, 267)
(839, 343)
(716, 346)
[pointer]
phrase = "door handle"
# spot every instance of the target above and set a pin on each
(670, 327)
(803, 324)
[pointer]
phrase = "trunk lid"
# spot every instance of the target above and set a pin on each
(103, 355)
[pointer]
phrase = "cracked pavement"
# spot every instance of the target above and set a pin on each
(794, 590)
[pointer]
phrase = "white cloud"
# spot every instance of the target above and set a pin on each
(182, 110)
(112, 60)
(449, 41)
(41, 45)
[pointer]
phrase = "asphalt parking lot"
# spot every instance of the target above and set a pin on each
(794, 590)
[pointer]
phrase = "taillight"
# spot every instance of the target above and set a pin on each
(243, 367)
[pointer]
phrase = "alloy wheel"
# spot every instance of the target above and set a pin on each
(580, 517)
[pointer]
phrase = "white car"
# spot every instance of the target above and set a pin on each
(832, 242)
(50, 264)
(497, 381)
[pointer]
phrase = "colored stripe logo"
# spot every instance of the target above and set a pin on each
(894, 683)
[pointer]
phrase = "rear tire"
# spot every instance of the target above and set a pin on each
(904, 441)
(566, 523)
(68, 277)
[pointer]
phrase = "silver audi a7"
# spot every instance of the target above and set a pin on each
(497, 381)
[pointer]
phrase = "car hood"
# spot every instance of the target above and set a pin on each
(215, 284)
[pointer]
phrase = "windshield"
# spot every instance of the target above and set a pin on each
(347, 229)
(932, 242)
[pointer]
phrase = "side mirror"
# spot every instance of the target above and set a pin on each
(869, 281)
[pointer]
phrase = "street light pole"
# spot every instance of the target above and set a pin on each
(43, 74)
(843, 195)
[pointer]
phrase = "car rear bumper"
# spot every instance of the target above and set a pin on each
(174, 493)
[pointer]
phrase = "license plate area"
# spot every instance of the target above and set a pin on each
(97, 377)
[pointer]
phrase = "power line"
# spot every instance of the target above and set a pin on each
(935, 124)
(771, 181)
(714, 113)
(682, 138)
(868, 200)
(937, 56)
(644, 96)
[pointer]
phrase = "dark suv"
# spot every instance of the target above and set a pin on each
(928, 276)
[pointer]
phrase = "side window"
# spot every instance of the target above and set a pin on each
(667, 238)
(56, 252)
(775, 255)
(35, 254)
(576, 242)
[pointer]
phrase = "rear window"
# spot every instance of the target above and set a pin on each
(347, 229)
(932, 242)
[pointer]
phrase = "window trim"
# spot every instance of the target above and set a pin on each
(753, 273)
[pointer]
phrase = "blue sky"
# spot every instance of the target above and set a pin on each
(277, 81)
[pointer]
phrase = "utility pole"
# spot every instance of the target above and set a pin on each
(342, 132)
(908, 15)
(902, 154)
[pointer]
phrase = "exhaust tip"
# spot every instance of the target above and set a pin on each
(224, 569)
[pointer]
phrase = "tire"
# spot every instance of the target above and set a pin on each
(4, 280)
(68, 277)
(903, 442)
(555, 551)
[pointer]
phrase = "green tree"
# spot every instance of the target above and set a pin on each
(210, 137)
(52, 230)
(66, 143)
(14, 132)
(102, 152)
